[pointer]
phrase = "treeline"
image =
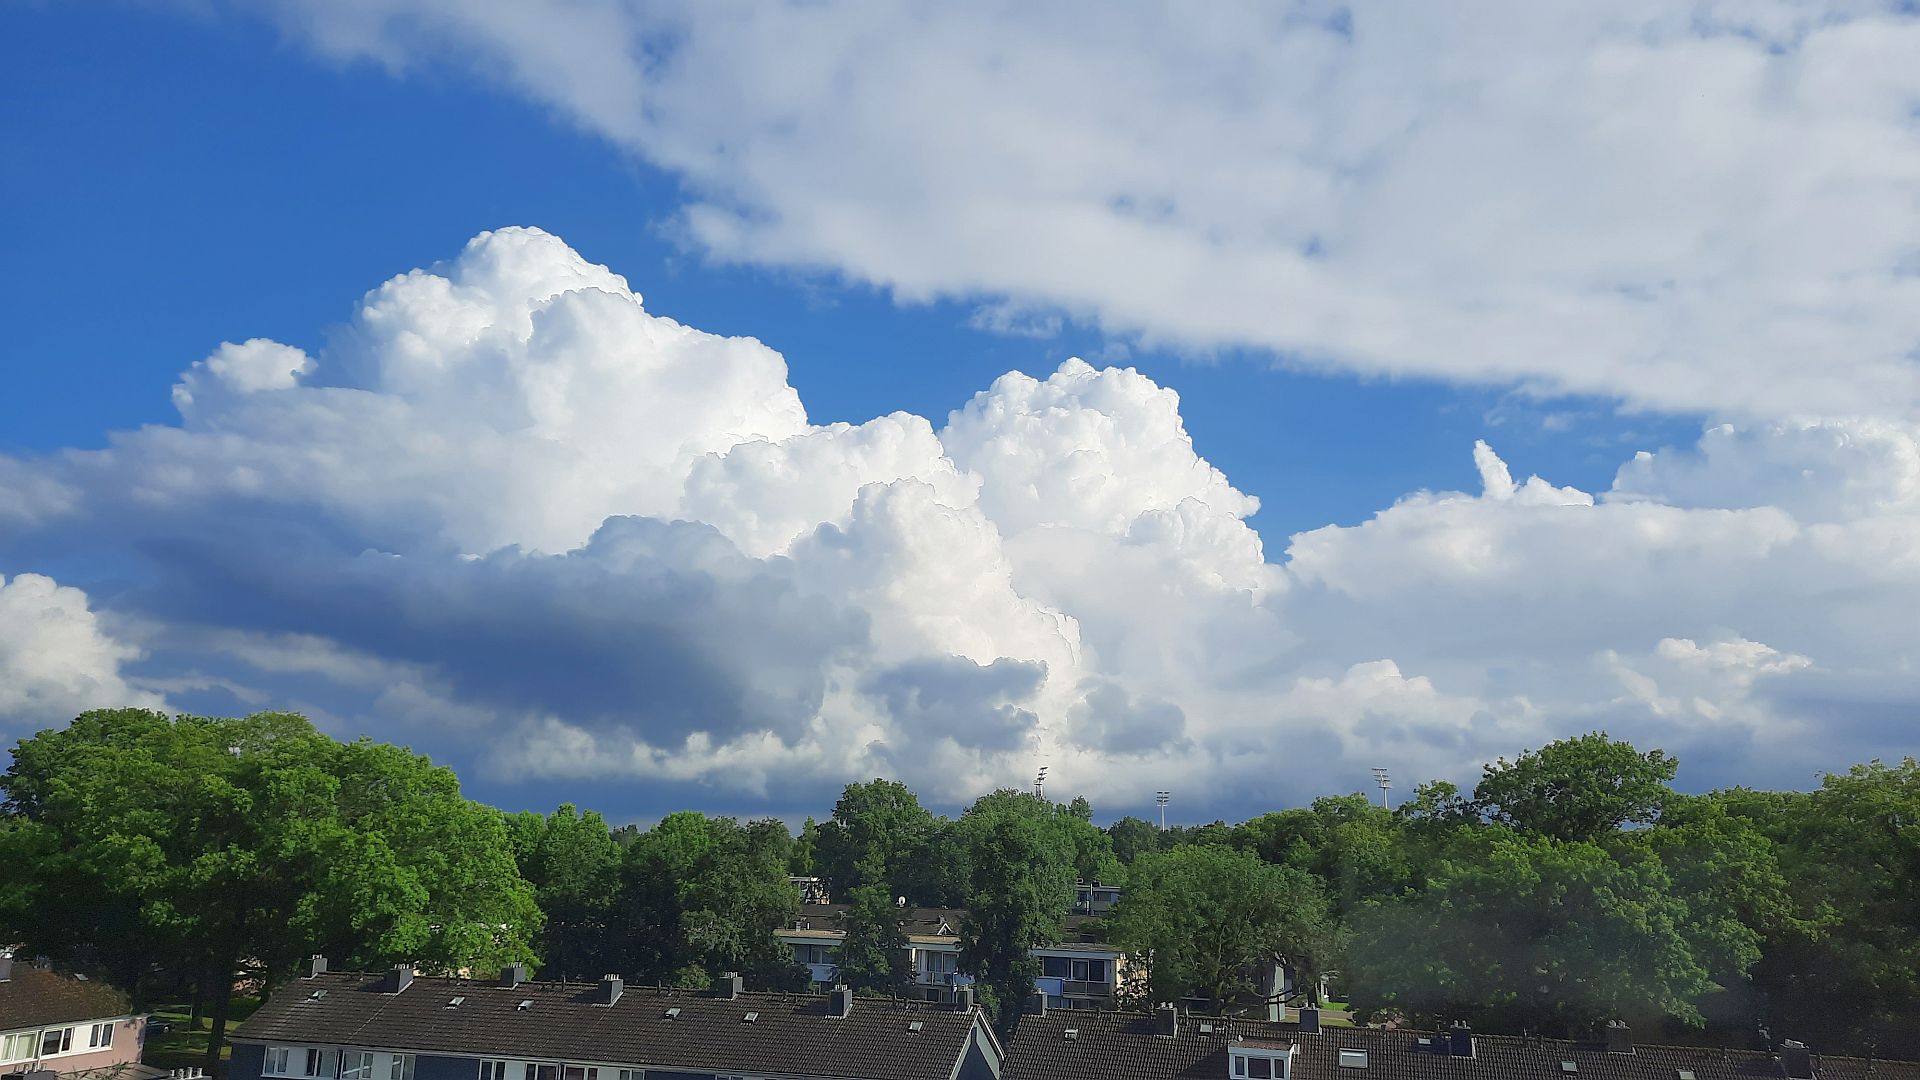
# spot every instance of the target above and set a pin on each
(1570, 886)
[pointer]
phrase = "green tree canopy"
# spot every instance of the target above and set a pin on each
(873, 955)
(573, 863)
(1576, 789)
(697, 898)
(1022, 889)
(1203, 919)
(876, 827)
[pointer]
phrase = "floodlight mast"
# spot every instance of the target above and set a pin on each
(1381, 778)
(1160, 798)
(1039, 781)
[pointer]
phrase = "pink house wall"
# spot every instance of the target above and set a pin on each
(128, 1037)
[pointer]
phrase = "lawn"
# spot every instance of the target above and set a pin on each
(184, 1046)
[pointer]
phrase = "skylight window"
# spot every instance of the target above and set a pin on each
(1684, 1074)
(915, 1026)
(455, 1003)
(673, 1013)
(1072, 1034)
(1569, 1067)
(750, 1018)
(1353, 1059)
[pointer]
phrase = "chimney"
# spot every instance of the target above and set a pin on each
(6, 967)
(1309, 1021)
(1037, 1003)
(1166, 1020)
(728, 985)
(316, 966)
(1460, 1039)
(1796, 1060)
(840, 1002)
(513, 975)
(399, 978)
(611, 986)
(963, 998)
(1619, 1037)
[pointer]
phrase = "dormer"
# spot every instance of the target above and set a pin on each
(1259, 1059)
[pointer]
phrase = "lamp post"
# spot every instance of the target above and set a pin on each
(1381, 778)
(1040, 780)
(1160, 799)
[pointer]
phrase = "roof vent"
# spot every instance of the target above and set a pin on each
(82, 976)
(673, 1013)
(1796, 1060)
(1072, 1034)
(399, 978)
(610, 989)
(916, 1026)
(1206, 1028)
(750, 1018)
(525, 1005)
(316, 995)
(1619, 1037)
(1569, 1067)
(456, 1003)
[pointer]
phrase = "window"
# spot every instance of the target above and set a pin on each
(56, 1041)
(100, 1036)
(1054, 967)
(633, 1074)
(17, 1047)
(320, 1062)
(493, 1070)
(400, 1067)
(1239, 1065)
(356, 1065)
(542, 1072)
(278, 1061)
(1260, 1068)
(579, 1072)
(1353, 1059)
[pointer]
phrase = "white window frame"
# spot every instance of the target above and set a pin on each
(278, 1061)
(26, 1042)
(63, 1035)
(493, 1069)
(399, 1067)
(100, 1036)
(356, 1064)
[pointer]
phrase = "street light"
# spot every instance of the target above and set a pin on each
(1381, 778)
(1160, 798)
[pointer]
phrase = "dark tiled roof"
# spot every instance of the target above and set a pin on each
(1109, 1045)
(792, 1033)
(34, 997)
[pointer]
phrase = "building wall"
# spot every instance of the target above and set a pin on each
(249, 1060)
(129, 1035)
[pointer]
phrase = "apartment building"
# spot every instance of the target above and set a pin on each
(1076, 972)
(1169, 1045)
(399, 1026)
(65, 1024)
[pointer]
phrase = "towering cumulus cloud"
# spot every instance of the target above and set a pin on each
(518, 520)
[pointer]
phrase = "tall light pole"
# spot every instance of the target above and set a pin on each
(1160, 798)
(1039, 780)
(1380, 777)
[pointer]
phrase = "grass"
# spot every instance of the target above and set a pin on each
(186, 1046)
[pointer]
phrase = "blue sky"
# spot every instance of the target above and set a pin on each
(184, 177)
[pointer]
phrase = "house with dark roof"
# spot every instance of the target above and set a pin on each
(65, 1024)
(1170, 1045)
(399, 1026)
(1077, 969)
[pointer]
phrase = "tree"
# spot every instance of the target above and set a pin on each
(873, 955)
(877, 827)
(1576, 789)
(1132, 837)
(1517, 930)
(1022, 890)
(573, 863)
(802, 861)
(1203, 920)
(1351, 845)
(697, 898)
(226, 847)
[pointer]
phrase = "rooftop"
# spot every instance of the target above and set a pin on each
(34, 997)
(670, 1028)
(1110, 1044)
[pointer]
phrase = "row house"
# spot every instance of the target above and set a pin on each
(1076, 971)
(399, 1026)
(62, 1024)
(1167, 1044)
